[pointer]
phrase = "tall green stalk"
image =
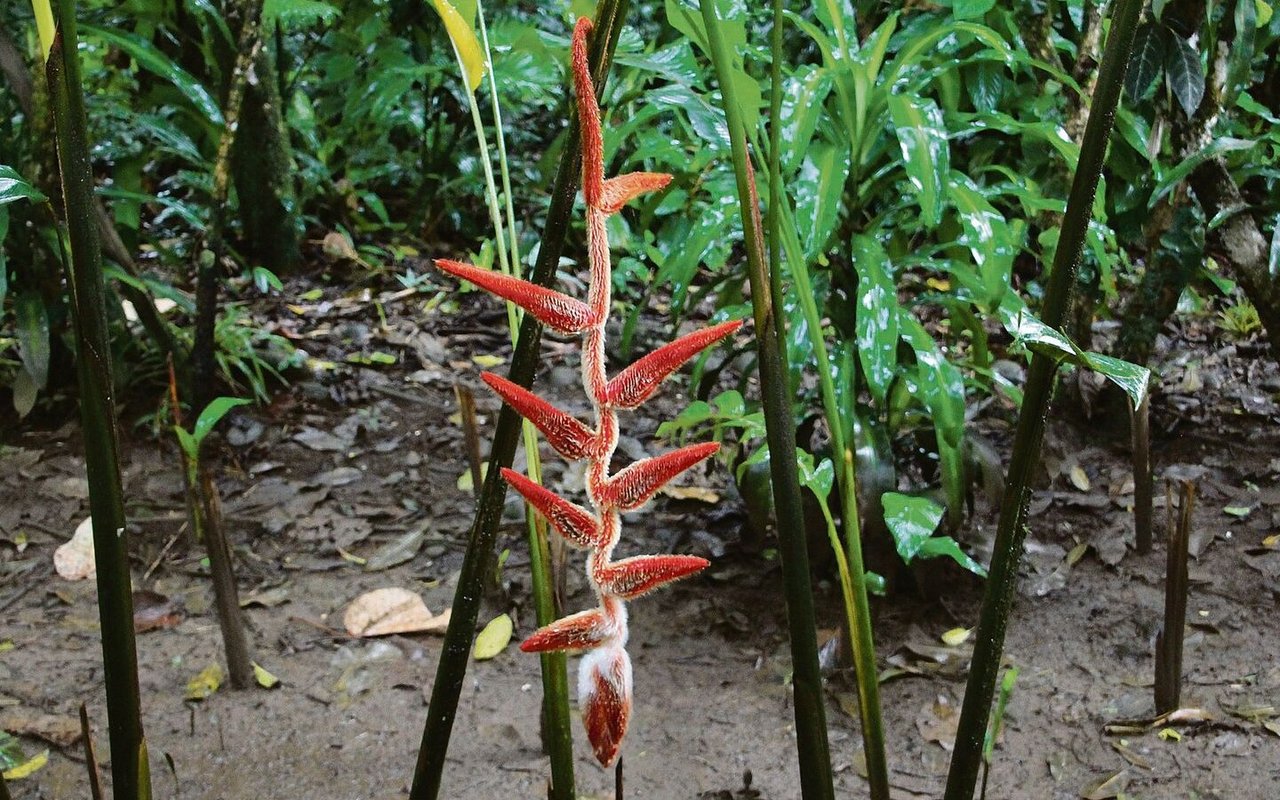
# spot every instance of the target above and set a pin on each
(998, 600)
(452, 667)
(97, 411)
(812, 748)
(853, 571)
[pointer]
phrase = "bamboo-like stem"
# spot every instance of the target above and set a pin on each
(556, 729)
(1142, 478)
(1168, 683)
(4, 789)
(90, 756)
(452, 667)
(812, 748)
(1011, 531)
(97, 411)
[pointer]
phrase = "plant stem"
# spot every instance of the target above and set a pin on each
(1168, 683)
(97, 411)
(1142, 479)
(4, 789)
(557, 731)
(452, 667)
(810, 712)
(1011, 531)
(90, 757)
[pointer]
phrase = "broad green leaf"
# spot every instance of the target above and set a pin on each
(463, 36)
(917, 121)
(970, 9)
(1263, 11)
(1241, 58)
(912, 521)
(45, 25)
(33, 336)
(946, 546)
(213, 414)
(1183, 71)
(157, 63)
(1147, 60)
(803, 101)
(819, 191)
(985, 84)
(1029, 331)
(187, 442)
(818, 478)
(298, 14)
(1215, 148)
(877, 312)
(494, 638)
(14, 188)
(941, 385)
(733, 27)
(987, 236)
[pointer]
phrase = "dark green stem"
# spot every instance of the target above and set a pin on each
(97, 408)
(4, 789)
(1011, 531)
(810, 712)
(452, 667)
(1142, 479)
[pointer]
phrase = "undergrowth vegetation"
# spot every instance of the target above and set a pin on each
(921, 171)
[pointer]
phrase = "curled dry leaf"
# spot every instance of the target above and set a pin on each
(74, 560)
(391, 610)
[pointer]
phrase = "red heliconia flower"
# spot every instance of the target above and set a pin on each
(633, 486)
(571, 438)
(551, 308)
(604, 673)
(604, 692)
(638, 382)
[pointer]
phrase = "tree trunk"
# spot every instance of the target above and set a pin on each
(262, 169)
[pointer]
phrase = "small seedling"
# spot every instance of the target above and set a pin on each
(604, 677)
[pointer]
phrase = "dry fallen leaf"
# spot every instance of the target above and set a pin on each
(1079, 478)
(74, 560)
(153, 611)
(391, 610)
(205, 683)
(701, 493)
(494, 638)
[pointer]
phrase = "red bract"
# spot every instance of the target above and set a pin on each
(604, 674)
(551, 308)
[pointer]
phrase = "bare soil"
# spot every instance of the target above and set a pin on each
(350, 459)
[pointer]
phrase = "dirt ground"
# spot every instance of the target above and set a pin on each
(353, 458)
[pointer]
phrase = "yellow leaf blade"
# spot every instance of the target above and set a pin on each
(464, 42)
(494, 638)
(28, 767)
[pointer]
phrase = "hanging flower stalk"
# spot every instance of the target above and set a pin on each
(604, 675)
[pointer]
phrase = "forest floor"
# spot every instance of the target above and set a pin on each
(348, 461)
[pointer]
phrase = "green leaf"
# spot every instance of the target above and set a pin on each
(819, 192)
(803, 106)
(159, 64)
(733, 27)
(912, 521)
(1263, 11)
(14, 188)
(970, 9)
(941, 385)
(818, 479)
(1241, 58)
(33, 336)
(1146, 61)
(877, 310)
(213, 414)
(295, 15)
(987, 236)
(1184, 168)
(1185, 76)
(946, 546)
(918, 123)
(494, 638)
(187, 442)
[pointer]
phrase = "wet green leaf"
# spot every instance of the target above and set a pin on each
(14, 188)
(1184, 73)
(1146, 61)
(877, 314)
(212, 415)
(922, 135)
(912, 521)
(154, 61)
(819, 192)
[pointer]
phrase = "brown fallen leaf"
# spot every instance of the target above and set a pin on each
(1106, 788)
(56, 730)
(74, 559)
(153, 611)
(392, 610)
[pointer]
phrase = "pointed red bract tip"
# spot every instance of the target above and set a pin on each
(619, 191)
(638, 382)
(570, 437)
(578, 526)
(581, 631)
(632, 577)
(588, 117)
(551, 308)
(604, 693)
(633, 486)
